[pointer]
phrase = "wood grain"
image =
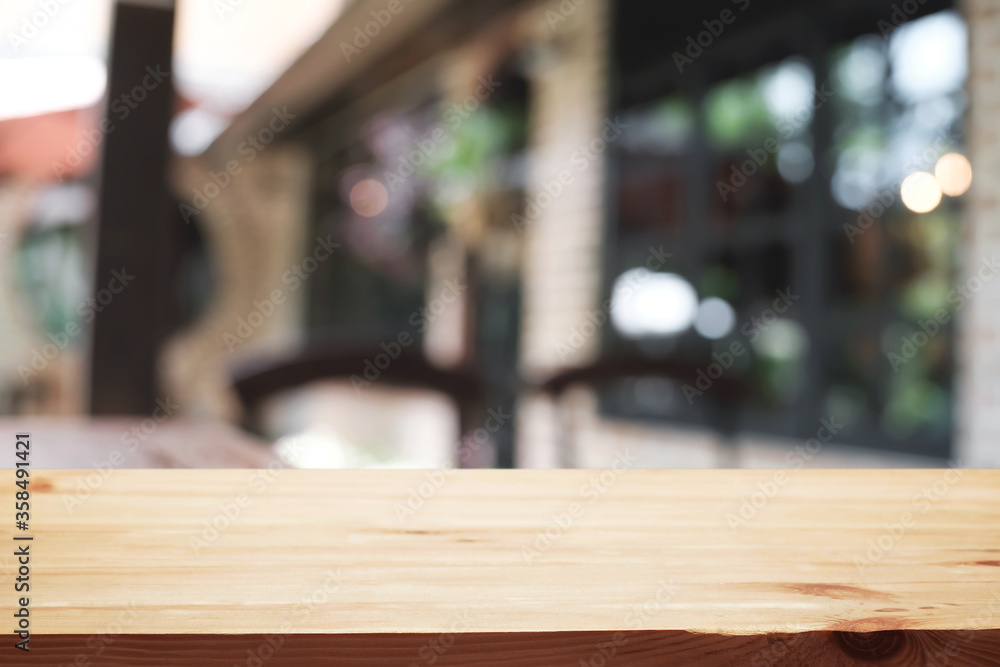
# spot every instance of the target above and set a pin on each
(515, 567)
(537, 649)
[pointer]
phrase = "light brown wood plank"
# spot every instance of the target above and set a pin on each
(488, 553)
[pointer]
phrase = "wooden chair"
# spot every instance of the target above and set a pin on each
(258, 380)
(722, 399)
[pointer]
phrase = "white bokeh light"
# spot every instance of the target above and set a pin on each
(862, 71)
(320, 448)
(645, 304)
(920, 192)
(795, 162)
(929, 56)
(855, 183)
(789, 90)
(784, 340)
(715, 319)
(193, 130)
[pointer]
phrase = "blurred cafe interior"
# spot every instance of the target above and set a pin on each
(509, 233)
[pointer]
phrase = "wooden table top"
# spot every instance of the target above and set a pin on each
(717, 563)
(132, 442)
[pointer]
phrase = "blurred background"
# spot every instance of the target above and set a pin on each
(353, 233)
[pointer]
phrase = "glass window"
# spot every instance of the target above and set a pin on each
(806, 173)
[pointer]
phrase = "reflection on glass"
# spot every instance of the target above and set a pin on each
(896, 110)
(880, 140)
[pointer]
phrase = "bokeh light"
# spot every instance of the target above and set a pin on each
(369, 197)
(795, 162)
(954, 174)
(929, 56)
(920, 192)
(784, 340)
(645, 304)
(715, 318)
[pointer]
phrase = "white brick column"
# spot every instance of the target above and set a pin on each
(561, 269)
(978, 374)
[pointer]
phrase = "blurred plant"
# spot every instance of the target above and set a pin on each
(736, 115)
(48, 270)
(472, 164)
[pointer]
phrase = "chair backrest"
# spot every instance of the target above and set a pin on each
(255, 381)
(725, 395)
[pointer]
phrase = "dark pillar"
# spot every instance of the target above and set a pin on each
(133, 233)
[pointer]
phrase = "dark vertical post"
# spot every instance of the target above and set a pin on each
(133, 235)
